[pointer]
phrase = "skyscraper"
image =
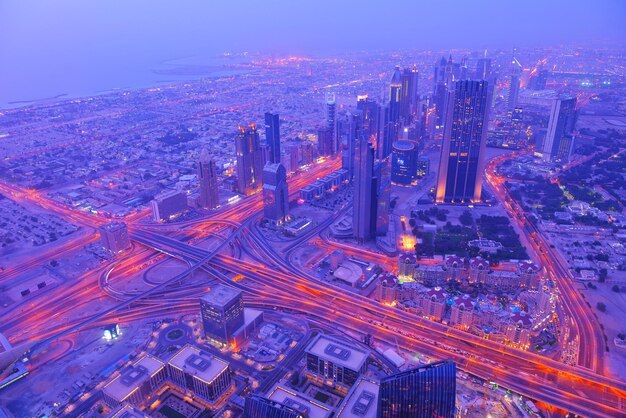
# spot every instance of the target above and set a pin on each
(114, 236)
(275, 193)
(382, 182)
(272, 136)
(424, 392)
(222, 313)
(462, 152)
(249, 160)
(391, 114)
(207, 181)
(408, 94)
(446, 73)
(560, 128)
(331, 121)
(483, 69)
(324, 141)
(370, 111)
(514, 84)
(365, 190)
(403, 162)
(259, 407)
(355, 129)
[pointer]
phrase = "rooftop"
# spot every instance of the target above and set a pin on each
(303, 404)
(220, 295)
(133, 376)
(339, 352)
(198, 363)
(127, 411)
(361, 401)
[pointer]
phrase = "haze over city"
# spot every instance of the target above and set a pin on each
(312, 209)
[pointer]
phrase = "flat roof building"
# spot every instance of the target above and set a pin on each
(135, 382)
(127, 411)
(361, 401)
(306, 406)
(259, 407)
(222, 313)
(114, 236)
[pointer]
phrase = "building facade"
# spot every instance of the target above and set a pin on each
(207, 181)
(222, 313)
(249, 160)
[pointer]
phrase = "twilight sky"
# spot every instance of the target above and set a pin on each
(48, 41)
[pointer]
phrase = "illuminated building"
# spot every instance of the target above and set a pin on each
(249, 160)
(361, 401)
(539, 80)
(517, 331)
(454, 266)
(136, 382)
(408, 94)
(406, 266)
(222, 313)
(446, 74)
(371, 112)
(354, 134)
(365, 190)
(424, 392)
(387, 288)
(514, 84)
(462, 153)
(114, 236)
(335, 362)
(382, 182)
(391, 114)
(201, 373)
(462, 312)
(111, 331)
(561, 125)
(168, 204)
(275, 193)
(259, 407)
(207, 181)
(272, 136)
(529, 274)
(331, 121)
(127, 411)
(403, 162)
(478, 270)
(434, 303)
(324, 141)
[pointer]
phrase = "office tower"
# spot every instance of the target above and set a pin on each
(462, 152)
(168, 204)
(354, 131)
(324, 141)
(382, 182)
(207, 181)
(272, 136)
(331, 122)
(391, 114)
(403, 162)
(275, 193)
(335, 360)
(114, 236)
(207, 376)
(514, 84)
(365, 188)
(249, 160)
(135, 382)
(447, 73)
(424, 392)
(483, 69)
(408, 94)
(222, 313)
(370, 111)
(560, 126)
(259, 407)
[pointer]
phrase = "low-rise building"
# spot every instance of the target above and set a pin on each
(135, 382)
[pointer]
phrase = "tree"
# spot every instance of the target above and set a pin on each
(466, 218)
(602, 275)
(601, 307)
(615, 288)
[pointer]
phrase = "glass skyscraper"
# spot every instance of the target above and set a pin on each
(462, 153)
(425, 392)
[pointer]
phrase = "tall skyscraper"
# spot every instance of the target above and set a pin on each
(446, 73)
(259, 407)
(483, 69)
(391, 114)
(371, 117)
(538, 80)
(462, 152)
(382, 182)
(560, 128)
(222, 313)
(514, 84)
(408, 94)
(249, 160)
(324, 141)
(207, 181)
(425, 392)
(331, 114)
(354, 130)
(275, 193)
(403, 162)
(272, 136)
(365, 190)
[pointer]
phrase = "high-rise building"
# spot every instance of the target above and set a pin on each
(275, 193)
(483, 69)
(403, 162)
(382, 182)
(324, 141)
(462, 152)
(447, 72)
(331, 121)
(222, 313)
(391, 114)
(272, 136)
(168, 204)
(560, 128)
(538, 80)
(207, 181)
(259, 407)
(371, 113)
(424, 392)
(354, 131)
(249, 160)
(114, 236)
(365, 190)
(514, 84)
(408, 94)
